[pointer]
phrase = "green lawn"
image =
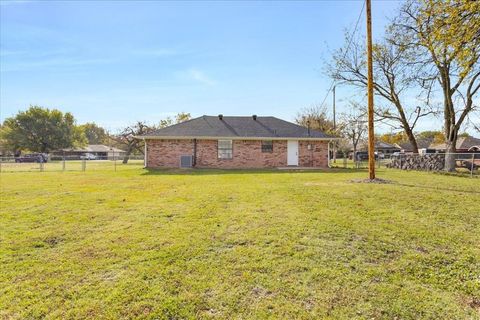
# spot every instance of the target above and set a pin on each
(238, 245)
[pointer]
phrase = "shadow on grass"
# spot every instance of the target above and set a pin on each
(204, 171)
(436, 188)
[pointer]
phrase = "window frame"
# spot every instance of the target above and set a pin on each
(263, 146)
(222, 151)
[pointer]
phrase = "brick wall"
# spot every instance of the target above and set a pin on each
(246, 154)
(315, 156)
(166, 153)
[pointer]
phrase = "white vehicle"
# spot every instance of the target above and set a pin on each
(88, 156)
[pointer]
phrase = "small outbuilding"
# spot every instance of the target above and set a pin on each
(100, 151)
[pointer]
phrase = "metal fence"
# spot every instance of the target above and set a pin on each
(54, 163)
(465, 163)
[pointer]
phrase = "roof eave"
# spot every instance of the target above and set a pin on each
(235, 138)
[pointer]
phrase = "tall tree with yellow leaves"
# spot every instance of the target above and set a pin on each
(446, 38)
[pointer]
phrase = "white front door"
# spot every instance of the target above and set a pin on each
(292, 153)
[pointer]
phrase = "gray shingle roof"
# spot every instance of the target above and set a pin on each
(421, 144)
(462, 143)
(238, 127)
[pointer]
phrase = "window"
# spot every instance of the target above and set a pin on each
(267, 146)
(225, 149)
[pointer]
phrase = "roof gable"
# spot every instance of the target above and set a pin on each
(237, 127)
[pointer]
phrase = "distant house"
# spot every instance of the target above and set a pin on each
(464, 144)
(422, 144)
(236, 142)
(99, 150)
(381, 147)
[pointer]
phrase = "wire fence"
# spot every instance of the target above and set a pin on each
(56, 163)
(467, 163)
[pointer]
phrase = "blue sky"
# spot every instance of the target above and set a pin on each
(114, 62)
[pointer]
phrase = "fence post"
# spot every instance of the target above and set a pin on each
(114, 162)
(473, 161)
(63, 162)
(84, 165)
(41, 166)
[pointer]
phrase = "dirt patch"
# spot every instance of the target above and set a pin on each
(259, 292)
(376, 180)
(474, 303)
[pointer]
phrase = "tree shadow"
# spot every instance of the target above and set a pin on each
(436, 188)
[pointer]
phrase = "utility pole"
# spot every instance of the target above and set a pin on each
(371, 137)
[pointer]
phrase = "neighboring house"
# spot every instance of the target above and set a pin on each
(99, 150)
(464, 144)
(422, 144)
(236, 142)
(382, 147)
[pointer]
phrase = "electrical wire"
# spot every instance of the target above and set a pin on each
(346, 50)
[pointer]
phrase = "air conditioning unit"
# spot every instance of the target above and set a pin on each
(186, 161)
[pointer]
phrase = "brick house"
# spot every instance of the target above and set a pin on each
(236, 142)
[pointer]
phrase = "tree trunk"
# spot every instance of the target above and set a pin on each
(412, 140)
(127, 155)
(411, 137)
(451, 129)
(450, 155)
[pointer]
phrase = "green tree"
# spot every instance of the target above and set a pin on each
(42, 130)
(94, 133)
(179, 117)
(182, 116)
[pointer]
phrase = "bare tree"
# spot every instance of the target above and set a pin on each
(126, 137)
(315, 117)
(354, 127)
(445, 37)
(393, 80)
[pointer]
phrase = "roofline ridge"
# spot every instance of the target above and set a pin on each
(296, 124)
(156, 130)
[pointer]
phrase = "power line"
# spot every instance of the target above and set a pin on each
(346, 50)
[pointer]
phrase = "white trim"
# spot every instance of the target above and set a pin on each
(233, 138)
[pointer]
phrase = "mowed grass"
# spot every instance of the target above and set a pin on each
(213, 244)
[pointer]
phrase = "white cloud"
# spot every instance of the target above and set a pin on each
(199, 76)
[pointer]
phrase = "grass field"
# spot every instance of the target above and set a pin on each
(238, 245)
